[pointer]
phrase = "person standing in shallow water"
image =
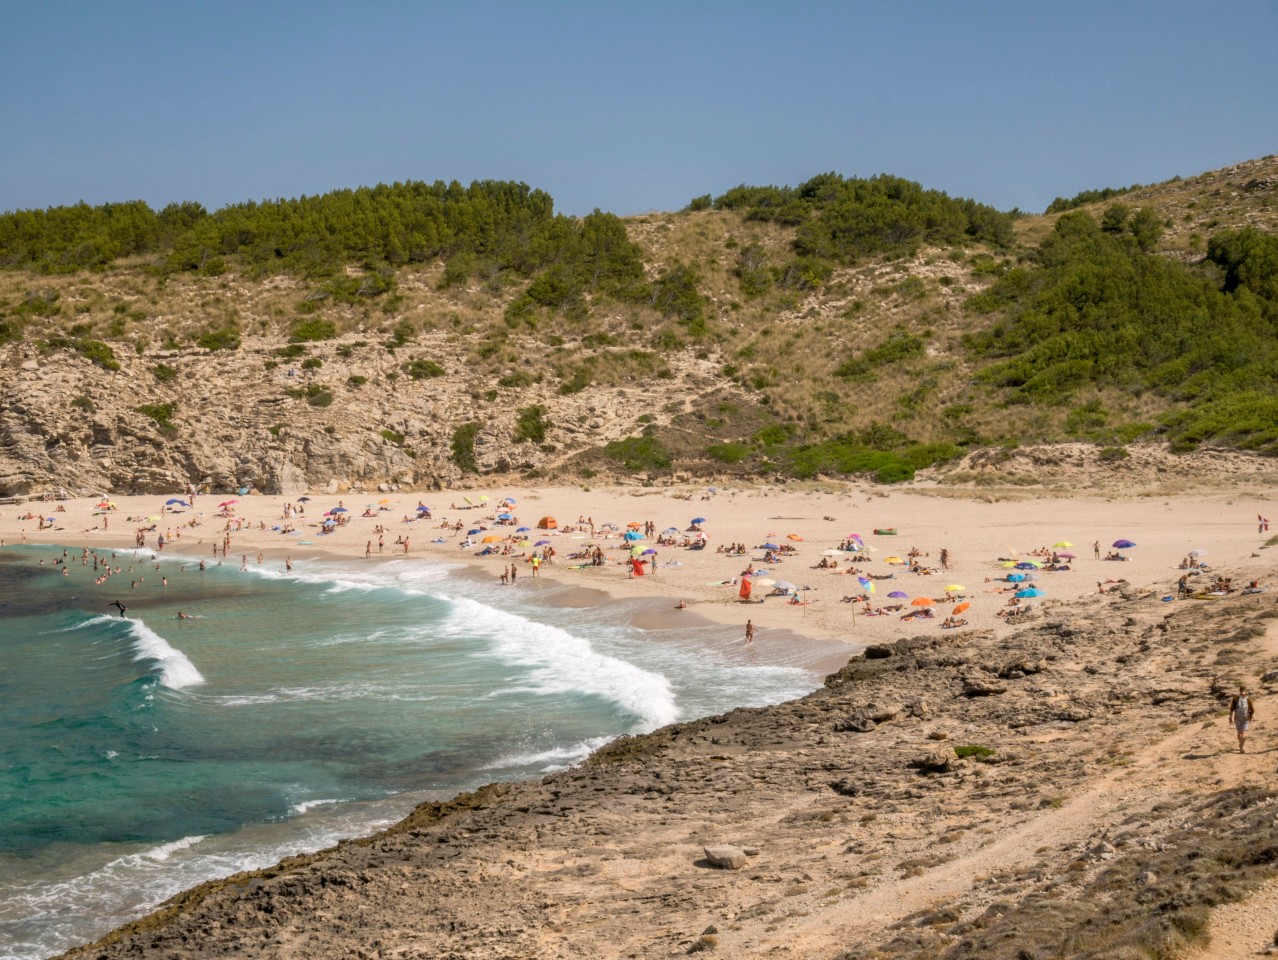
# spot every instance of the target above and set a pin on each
(1241, 712)
(749, 631)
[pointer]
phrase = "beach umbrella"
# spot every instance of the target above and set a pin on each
(899, 595)
(524, 543)
(471, 533)
(609, 526)
(698, 519)
(960, 607)
(1067, 556)
(769, 546)
(762, 581)
(785, 585)
(483, 499)
(228, 503)
(504, 516)
(866, 584)
(1062, 543)
(1123, 544)
(954, 587)
(468, 500)
(1015, 577)
(542, 543)
(831, 553)
(634, 525)
(633, 535)
(1028, 592)
(173, 500)
(670, 530)
(1026, 565)
(303, 499)
(921, 602)
(1008, 564)
(793, 536)
(384, 501)
(1198, 552)
(522, 529)
(491, 538)
(648, 551)
(339, 510)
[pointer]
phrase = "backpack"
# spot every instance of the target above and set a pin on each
(1244, 707)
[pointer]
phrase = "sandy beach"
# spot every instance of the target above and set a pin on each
(980, 537)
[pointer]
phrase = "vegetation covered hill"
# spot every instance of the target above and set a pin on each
(414, 333)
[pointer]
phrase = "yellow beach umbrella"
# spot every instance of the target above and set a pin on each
(1062, 543)
(954, 587)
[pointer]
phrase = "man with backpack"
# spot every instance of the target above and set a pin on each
(1241, 712)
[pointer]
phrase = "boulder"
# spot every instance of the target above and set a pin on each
(724, 856)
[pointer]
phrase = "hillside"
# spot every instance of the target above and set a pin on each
(416, 335)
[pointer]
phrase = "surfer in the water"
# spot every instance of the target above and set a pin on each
(184, 616)
(122, 607)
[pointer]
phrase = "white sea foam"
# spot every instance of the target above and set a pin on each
(562, 662)
(305, 805)
(549, 761)
(166, 850)
(408, 576)
(175, 667)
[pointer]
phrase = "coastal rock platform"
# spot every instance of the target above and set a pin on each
(1083, 796)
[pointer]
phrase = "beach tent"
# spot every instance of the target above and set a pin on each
(548, 523)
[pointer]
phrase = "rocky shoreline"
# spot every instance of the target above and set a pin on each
(1066, 790)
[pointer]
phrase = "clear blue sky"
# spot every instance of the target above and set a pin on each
(628, 107)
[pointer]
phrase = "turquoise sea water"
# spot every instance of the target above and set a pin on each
(142, 755)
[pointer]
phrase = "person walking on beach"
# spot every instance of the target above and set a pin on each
(1241, 712)
(945, 559)
(1096, 549)
(749, 631)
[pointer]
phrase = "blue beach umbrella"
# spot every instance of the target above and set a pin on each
(648, 551)
(633, 535)
(542, 543)
(471, 533)
(1123, 544)
(899, 595)
(522, 529)
(770, 546)
(504, 516)
(169, 503)
(339, 510)
(1015, 577)
(1028, 592)
(698, 519)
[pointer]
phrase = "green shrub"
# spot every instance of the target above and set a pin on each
(84, 403)
(578, 382)
(291, 351)
(518, 379)
(356, 380)
(421, 369)
(164, 373)
(392, 436)
(99, 353)
(318, 396)
(1112, 454)
(639, 453)
(974, 750)
(728, 452)
(531, 425)
(463, 448)
(222, 338)
(162, 414)
(312, 363)
(311, 329)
